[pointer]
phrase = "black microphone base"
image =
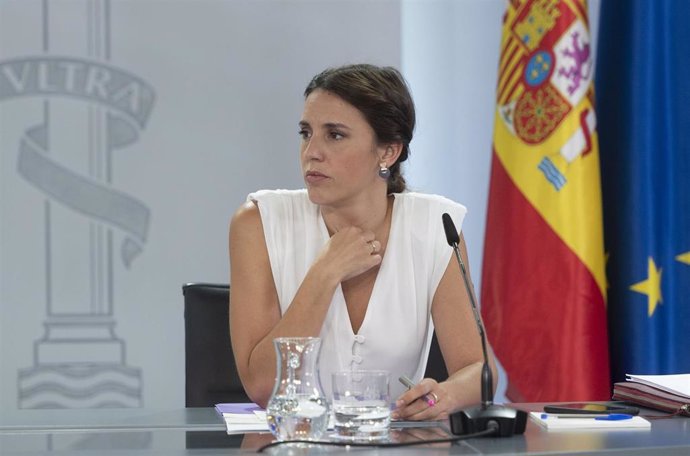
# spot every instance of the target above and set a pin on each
(476, 419)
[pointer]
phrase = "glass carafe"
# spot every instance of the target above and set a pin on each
(298, 408)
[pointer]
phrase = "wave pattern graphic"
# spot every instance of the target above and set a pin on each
(80, 386)
(78, 377)
(552, 173)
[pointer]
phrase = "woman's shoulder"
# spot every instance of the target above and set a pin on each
(428, 202)
(278, 195)
(246, 217)
(268, 209)
(250, 212)
(278, 201)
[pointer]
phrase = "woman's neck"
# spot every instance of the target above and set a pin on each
(370, 214)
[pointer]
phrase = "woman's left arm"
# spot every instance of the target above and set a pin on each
(461, 347)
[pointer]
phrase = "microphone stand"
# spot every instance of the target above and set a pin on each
(506, 421)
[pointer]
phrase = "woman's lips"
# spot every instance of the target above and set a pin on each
(314, 177)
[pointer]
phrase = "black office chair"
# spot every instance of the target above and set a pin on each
(210, 370)
(436, 366)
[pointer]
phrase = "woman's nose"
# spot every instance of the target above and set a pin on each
(313, 149)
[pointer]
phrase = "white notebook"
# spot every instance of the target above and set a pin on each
(554, 422)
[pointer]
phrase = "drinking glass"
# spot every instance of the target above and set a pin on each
(361, 404)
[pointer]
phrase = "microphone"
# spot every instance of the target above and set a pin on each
(487, 415)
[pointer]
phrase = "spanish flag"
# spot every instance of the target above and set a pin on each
(543, 283)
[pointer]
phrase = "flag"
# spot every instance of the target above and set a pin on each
(643, 88)
(543, 285)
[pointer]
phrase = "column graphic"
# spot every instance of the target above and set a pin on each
(91, 109)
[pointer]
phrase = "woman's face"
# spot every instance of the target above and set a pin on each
(339, 153)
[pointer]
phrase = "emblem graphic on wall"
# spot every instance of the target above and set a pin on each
(91, 110)
(547, 73)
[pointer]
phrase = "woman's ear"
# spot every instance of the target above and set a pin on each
(391, 153)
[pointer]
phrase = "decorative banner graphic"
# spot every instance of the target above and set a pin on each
(125, 94)
(88, 197)
(128, 101)
(543, 284)
(90, 109)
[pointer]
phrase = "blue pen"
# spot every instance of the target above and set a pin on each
(600, 417)
(614, 417)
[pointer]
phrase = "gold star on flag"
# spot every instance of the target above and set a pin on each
(651, 287)
(684, 258)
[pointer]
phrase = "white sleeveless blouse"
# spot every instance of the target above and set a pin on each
(396, 332)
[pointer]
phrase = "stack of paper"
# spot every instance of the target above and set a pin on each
(243, 417)
(670, 393)
(551, 421)
(675, 383)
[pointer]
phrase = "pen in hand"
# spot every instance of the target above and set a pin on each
(410, 384)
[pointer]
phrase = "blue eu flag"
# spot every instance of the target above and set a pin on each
(643, 109)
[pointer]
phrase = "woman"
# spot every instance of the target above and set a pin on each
(353, 258)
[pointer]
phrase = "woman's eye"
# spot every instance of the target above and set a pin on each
(305, 134)
(336, 135)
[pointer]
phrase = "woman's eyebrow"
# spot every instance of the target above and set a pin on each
(336, 125)
(305, 124)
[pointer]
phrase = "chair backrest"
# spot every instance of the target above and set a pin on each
(210, 372)
(435, 365)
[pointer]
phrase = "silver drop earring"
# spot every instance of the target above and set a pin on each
(384, 171)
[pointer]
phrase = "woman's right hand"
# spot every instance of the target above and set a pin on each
(350, 252)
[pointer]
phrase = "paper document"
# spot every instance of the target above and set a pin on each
(243, 417)
(675, 383)
(554, 422)
(247, 417)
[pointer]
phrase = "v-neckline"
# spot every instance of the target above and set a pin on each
(340, 296)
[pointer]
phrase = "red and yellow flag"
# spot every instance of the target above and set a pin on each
(543, 283)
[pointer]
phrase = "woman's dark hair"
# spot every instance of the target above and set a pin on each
(382, 96)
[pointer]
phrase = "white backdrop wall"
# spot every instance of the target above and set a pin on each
(130, 130)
